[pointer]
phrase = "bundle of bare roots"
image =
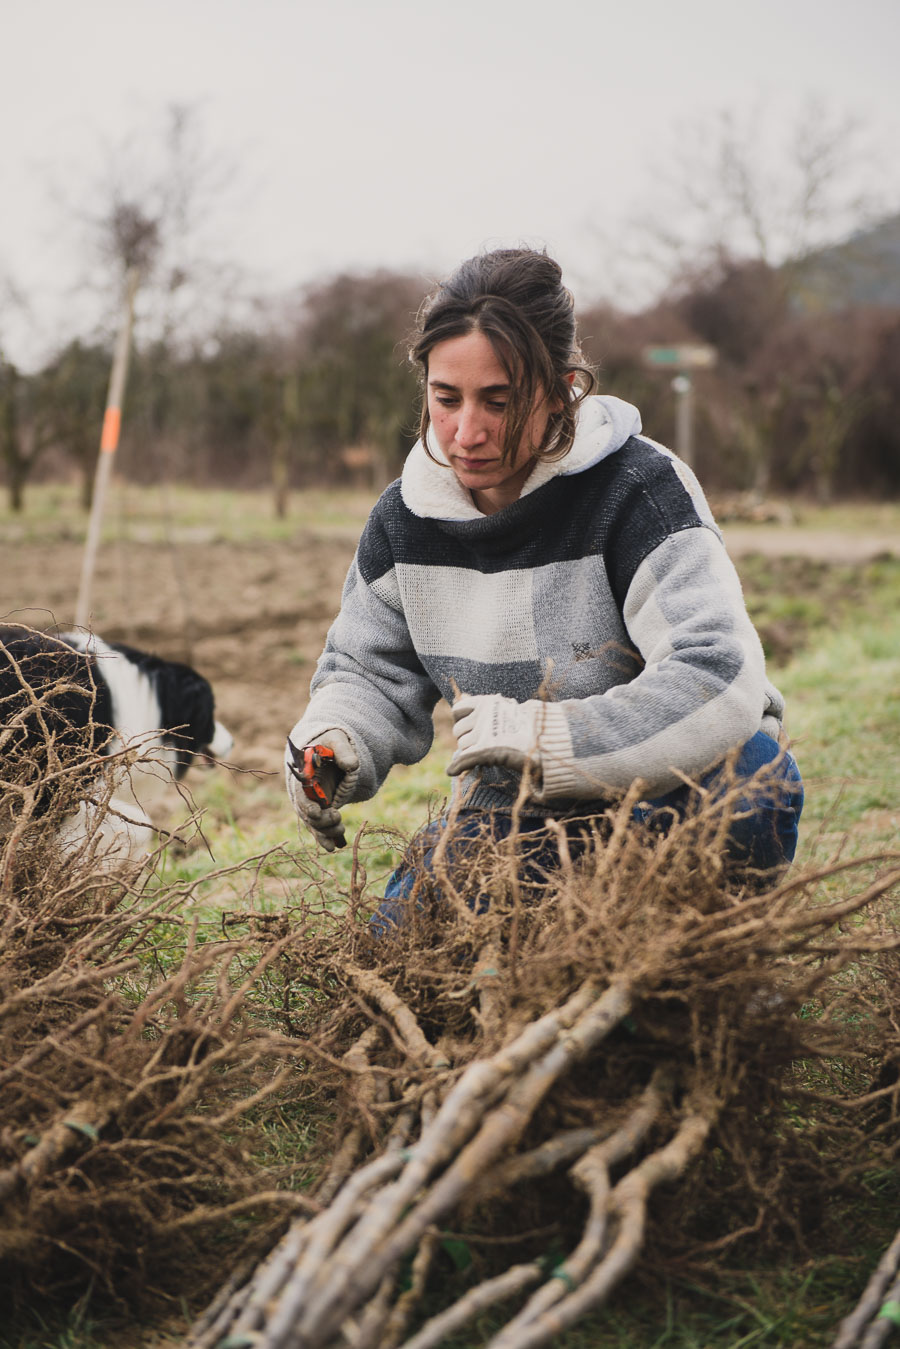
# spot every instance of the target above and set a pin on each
(633, 1054)
(134, 1072)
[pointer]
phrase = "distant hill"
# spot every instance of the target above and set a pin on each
(863, 270)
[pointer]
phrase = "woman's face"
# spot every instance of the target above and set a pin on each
(467, 394)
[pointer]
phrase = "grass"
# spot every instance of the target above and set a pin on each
(52, 511)
(842, 685)
(185, 514)
(853, 516)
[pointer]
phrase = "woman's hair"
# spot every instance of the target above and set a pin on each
(516, 298)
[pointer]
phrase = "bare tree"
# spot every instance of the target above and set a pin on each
(25, 431)
(739, 234)
(142, 233)
(160, 198)
(356, 387)
(70, 391)
(741, 186)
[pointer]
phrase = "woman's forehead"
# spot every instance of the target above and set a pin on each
(468, 360)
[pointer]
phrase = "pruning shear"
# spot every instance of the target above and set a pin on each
(315, 769)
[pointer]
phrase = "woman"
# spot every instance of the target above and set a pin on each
(555, 575)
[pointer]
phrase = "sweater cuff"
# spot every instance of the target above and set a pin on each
(558, 774)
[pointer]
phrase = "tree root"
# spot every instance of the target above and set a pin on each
(697, 986)
(334, 1278)
(878, 1310)
(519, 1079)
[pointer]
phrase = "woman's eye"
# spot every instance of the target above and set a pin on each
(496, 405)
(444, 401)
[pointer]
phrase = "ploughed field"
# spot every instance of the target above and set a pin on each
(252, 614)
(251, 617)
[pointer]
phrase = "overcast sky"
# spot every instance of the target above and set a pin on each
(403, 133)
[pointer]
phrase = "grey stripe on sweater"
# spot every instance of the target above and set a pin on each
(606, 591)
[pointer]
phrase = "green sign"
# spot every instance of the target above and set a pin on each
(684, 356)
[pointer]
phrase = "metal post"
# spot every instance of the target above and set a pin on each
(684, 417)
(109, 443)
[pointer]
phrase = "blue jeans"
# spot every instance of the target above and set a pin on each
(762, 835)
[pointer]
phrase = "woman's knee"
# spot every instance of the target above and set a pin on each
(765, 829)
(765, 808)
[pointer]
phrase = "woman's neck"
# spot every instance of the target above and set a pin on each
(490, 500)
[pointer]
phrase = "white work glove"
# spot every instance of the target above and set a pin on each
(492, 729)
(324, 822)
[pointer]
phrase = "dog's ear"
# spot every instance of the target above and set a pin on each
(202, 720)
(187, 711)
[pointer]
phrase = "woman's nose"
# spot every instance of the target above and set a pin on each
(470, 427)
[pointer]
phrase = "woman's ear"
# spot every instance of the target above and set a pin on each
(557, 403)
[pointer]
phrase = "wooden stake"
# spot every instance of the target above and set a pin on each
(109, 443)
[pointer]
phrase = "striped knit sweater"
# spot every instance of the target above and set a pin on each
(605, 589)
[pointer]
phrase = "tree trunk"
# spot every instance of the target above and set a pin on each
(10, 447)
(285, 437)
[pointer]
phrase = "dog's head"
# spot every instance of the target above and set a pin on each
(186, 707)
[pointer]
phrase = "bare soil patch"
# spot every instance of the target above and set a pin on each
(251, 617)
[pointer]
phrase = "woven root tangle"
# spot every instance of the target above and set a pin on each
(557, 1059)
(134, 1072)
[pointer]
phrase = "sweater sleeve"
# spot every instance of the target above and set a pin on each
(702, 691)
(369, 681)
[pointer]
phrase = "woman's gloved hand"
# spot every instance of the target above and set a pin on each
(324, 822)
(493, 729)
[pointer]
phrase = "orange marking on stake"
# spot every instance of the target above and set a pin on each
(112, 421)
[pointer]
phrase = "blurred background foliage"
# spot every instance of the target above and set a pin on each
(802, 399)
(796, 284)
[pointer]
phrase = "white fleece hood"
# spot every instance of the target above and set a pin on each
(431, 490)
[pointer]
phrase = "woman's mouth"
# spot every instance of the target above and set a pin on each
(473, 464)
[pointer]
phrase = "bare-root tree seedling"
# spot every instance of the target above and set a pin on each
(628, 1053)
(627, 1061)
(135, 1077)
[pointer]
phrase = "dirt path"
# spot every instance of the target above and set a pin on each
(821, 545)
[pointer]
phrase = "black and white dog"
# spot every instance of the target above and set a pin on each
(92, 699)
